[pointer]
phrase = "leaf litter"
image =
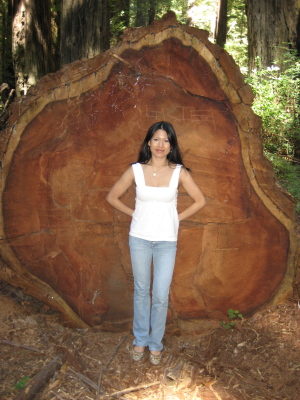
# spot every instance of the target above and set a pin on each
(259, 359)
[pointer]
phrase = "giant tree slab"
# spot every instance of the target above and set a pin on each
(74, 134)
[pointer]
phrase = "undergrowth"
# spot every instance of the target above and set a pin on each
(288, 175)
(277, 102)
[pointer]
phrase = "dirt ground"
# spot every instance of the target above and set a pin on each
(257, 359)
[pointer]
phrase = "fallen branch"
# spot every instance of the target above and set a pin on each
(41, 378)
(109, 361)
(4, 112)
(84, 379)
(215, 393)
(57, 396)
(11, 93)
(121, 59)
(16, 344)
(130, 389)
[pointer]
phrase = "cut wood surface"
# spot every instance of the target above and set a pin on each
(75, 133)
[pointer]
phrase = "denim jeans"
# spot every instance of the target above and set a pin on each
(149, 320)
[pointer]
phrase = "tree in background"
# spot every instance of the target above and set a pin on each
(50, 33)
(142, 13)
(236, 40)
(152, 10)
(272, 25)
(221, 28)
(274, 70)
(6, 69)
(31, 42)
(84, 29)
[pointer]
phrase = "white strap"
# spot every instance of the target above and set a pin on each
(138, 174)
(175, 177)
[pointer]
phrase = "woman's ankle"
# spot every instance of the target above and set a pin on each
(139, 349)
(155, 352)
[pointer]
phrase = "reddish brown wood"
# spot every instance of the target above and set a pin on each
(77, 131)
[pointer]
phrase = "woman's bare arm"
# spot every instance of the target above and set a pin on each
(119, 188)
(194, 192)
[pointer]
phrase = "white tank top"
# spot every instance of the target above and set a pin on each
(155, 217)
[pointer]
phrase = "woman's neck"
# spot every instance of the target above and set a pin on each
(158, 163)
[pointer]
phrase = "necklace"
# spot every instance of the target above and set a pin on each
(154, 173)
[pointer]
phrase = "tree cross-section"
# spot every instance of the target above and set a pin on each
(77, 130)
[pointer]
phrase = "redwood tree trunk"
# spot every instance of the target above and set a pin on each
(3, 22)
(152, 10)
(272, 26)
(221, 28)
(84, 29)
(32, 42)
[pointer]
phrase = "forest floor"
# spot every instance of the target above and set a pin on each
(258, 359)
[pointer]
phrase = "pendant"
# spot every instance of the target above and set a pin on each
(154, 173)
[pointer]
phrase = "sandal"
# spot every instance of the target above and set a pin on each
(137, 355)
(155, 359)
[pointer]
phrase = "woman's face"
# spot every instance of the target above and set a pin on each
(159, 144)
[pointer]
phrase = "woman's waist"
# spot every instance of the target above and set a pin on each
(155, 212)
(155, 203)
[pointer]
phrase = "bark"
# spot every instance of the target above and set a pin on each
(3, 24)
(273, 27)
(84, 29)
(73, 136)
(7, 63)
(221, 28)
(32, 42)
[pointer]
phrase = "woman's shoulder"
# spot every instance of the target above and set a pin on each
(135, 166)
(184, 173)
(174, 165)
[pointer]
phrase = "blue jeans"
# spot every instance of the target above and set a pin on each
(149, 320)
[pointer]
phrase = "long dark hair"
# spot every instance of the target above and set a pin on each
(174, 157)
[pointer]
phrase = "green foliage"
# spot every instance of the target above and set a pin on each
(119, 20)
(203, 15)
(288, 174)
(21, 383)
(180, 7)
(277, 102)
(233, 315)
(236, 42)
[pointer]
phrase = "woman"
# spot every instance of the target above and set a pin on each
(153, 230)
